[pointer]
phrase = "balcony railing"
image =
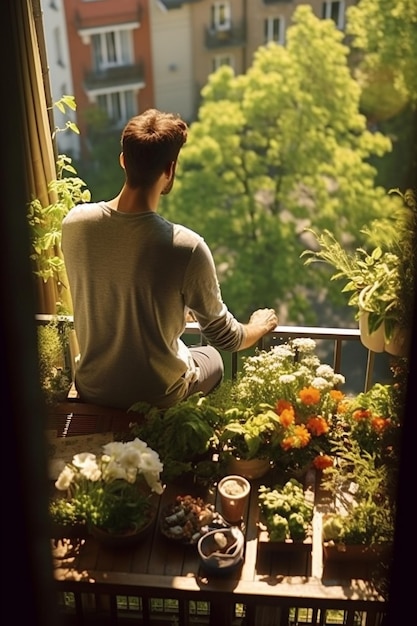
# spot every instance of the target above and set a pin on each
(235, 35)
(119, 76)
(336, 341)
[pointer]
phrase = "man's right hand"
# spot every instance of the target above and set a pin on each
(261, 322)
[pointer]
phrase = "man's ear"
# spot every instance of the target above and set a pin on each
(172, 167)
(122, 160)
(170, 174)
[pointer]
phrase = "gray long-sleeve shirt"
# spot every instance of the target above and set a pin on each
(132, 279)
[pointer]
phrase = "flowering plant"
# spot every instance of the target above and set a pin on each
(372, 419)
(295, 395)
(112, 491)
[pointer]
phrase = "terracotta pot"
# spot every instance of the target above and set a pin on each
(251, 469)
(234, 493)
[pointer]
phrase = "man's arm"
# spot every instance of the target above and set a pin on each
(261, 322)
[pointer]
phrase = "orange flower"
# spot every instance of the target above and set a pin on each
(336, 395)
(379, 423)
(299, 439)
(287, 443)
(322, 461)
(302, 434)
(281, 405)
(317, 425)
(309, 395)
(361, 414)
(287, 417)
(343, 407)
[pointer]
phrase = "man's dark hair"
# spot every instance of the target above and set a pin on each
(150, 142)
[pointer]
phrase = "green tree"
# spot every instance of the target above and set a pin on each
(273, 151)
(384, 43)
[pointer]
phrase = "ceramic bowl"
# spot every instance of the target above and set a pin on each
(221, 550)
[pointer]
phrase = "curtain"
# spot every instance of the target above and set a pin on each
(40, 154)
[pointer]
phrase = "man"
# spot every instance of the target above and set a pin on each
(134, 277)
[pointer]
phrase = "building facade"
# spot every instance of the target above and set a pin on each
(120, 57)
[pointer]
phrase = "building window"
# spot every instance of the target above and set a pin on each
(119, 106)
(274, 29)
(220, 16)
(221, 59)
(335, 10)
(111, 49)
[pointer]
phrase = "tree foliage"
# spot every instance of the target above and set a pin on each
(279, 149)
(384, 41)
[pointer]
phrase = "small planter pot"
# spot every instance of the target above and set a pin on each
(344, 553)
(125, 539)
(250, 469)
(399, 344)
(221, 551)
(373, 341)
(234, 493)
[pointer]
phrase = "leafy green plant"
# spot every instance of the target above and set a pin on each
(363, 497)
(65, 191)
(250, 434)
(379, 277)
(287, 511)
(184, 435)
(54, 375)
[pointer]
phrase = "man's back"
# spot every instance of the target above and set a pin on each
(129, 277)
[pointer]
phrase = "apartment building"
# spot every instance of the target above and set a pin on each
(109, 48)
(124, 56)
(222, 33)
(60, 71)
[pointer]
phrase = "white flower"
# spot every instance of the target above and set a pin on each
(339, 379)
(304, 344)
(287, 379)
(113, 471)
(86, 463)
(325, 371)
(320, 383)
(114, 448)
(64, 480)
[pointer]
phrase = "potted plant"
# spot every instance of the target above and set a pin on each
(185, 436)
(45, 219)
(111, 494)
(281, 407)
(359, 522)
(379, 277)
(361, 484)
(54, 374)
(287, 513)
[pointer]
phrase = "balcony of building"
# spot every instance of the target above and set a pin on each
(115, 77)
(233, 35)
